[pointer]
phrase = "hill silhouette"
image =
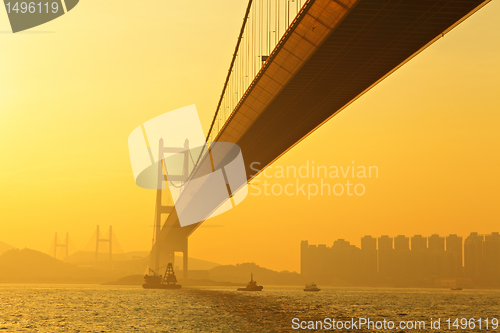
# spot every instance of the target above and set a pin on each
(240, 273)
(5, 247)
(30, 266)
(36, 267)
(82, 257)
(228, 275)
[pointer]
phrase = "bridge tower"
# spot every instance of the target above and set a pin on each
(104, 240)
(63, 245)
(166, 248)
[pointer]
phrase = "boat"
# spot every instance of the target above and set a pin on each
(156, 281)
(311, 287)
(252, 285)
(457, 288)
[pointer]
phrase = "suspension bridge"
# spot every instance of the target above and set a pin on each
(296, 65)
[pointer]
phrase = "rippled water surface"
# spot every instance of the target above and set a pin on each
(83, 308)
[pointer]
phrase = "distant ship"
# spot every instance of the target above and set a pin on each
(155, 281)
(252, 285)
(457, 288)
(311, 287)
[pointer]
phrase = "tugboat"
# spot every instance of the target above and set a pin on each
(311, 287)
(155, 281)
(252, 285)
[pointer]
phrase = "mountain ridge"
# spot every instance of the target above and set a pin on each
(4, 247)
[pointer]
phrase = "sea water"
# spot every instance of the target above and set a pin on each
(94, 308)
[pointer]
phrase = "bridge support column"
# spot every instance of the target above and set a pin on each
(185, 260)
(168, 248)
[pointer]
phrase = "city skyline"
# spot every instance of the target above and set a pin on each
(415, 261)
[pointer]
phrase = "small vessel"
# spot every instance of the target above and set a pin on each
(456, 288)
(311, 287)
(155, 281)
(252, 285)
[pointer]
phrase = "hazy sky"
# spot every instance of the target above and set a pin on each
(73, 89)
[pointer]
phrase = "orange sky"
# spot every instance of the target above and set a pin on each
(73, 89)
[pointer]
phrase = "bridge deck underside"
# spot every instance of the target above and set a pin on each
(373, 39)
(364, 45)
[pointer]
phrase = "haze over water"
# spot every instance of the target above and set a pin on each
(79, 308)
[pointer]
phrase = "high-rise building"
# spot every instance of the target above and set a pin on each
(453, 261)
(473, 256)
(402, 259)
(304, 258)
(491, 257)
(401, 243)
(369, 243)
(418, 243)
(385, 243)
(420, 260)
(436, 249)
(436, 243)
(368, 259)
(324, 268)
(345, 262)
(385, 257)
